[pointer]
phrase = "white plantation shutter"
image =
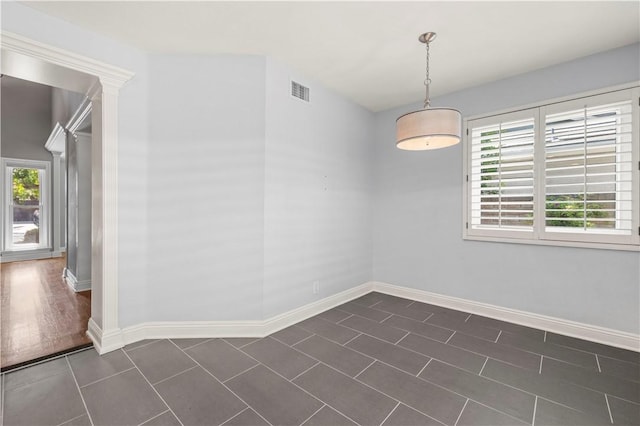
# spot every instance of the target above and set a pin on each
(589, 169)
(565, 172)
(502, 174)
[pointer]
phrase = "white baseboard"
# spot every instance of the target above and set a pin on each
(94, 332)
(104, 341)
(257, 328)
(115, 339)
(593, 333)
(72, 281)
(18, 256)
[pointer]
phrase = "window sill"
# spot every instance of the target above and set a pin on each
(556, 243)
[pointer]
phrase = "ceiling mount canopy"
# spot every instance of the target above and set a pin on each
(428, 128)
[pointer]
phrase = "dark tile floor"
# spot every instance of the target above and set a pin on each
(379, 360)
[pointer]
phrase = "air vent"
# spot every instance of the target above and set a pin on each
(299, 91)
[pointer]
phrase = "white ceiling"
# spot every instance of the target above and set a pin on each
(368, 51)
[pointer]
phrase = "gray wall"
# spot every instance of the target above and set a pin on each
(418, 215)
(64, 104)
(206, 186)
(26, 119)
(318, 193)
(253, 194)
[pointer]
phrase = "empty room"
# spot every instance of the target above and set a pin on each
(330, 213)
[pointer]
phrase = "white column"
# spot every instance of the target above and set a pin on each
(57, 199)
(104, 209)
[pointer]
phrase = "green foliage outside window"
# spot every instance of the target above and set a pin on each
(571, 209)
(26, 185)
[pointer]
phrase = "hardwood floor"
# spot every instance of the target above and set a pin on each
(40, 314)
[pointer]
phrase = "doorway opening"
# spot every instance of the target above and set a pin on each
(38, 62)
(46, 222)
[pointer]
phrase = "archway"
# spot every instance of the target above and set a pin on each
(41, 63)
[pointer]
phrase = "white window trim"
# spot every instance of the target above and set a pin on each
(551, 239)
(45, 210)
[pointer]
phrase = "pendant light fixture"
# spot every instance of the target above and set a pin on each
(428, 128)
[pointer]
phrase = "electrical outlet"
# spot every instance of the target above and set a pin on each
(316, 287)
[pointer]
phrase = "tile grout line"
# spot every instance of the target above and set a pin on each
(499, 334)
(365, 369)
(620, 397)
(296, 343)
(241, 346)
(350, 340)
(313, 414)
(390, 413)
(405, 330)
(296, 385)
(391, 397)
(372, 336)
(535, 407)
(467, 318)
(544, 339)
(343, 319)
(70, 420)
(172, 376)
(426, 380)
(540, 368)
(396, 368)
(483, 365)
(419, 353)
(313, 333)
(141, 346)
(561, 404)
(427, 318)
(454, 333)
(305, 372)
(461, 411)
(107, 377)
(606, 398)
(193, 346)
(457, 393)
(425, 366)
(457, 347)
(377, 303)
(154, 417)
(598, 362)
(593, 352)
(234, 416)
(365, 384)
(152, 387)
(79, 391)
(412, 302)
(223, 384)
(390, 315)
(339, 372)
(402, 338)
(236, 375)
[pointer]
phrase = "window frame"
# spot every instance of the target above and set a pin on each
(538, 111)
(45, 210)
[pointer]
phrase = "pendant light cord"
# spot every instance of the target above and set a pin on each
(427, 82)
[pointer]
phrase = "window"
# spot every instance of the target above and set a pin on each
(26, 209)
(564, 173)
